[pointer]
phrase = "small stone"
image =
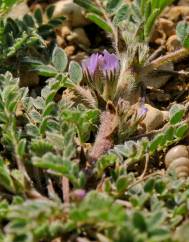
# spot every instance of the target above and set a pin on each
(60, 41)
(79, 36)
(70, 50)
(157, 81)
(165, 115)
(154, 118)
(57, 240)
(164, 28)
(175, 153)
(65, 31)
(19, 11)
(173, 43)
(177, 12)
(183, 3)
(71, 11)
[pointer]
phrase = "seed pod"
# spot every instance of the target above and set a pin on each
(177, 158)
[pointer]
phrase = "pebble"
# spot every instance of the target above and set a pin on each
(183, 3)
(72, 12)
(173, 43)
(70, 50)
(78, 36)
(60, 41)
(19, 11)
(157, 81)
(177, 12)
(65, 31)
(164, 28)
(154, 118)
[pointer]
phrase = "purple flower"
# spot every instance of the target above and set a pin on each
(78, 195)
(106, 63)
(111, 62)
(101, 72)
(91, 64)
(142, 110)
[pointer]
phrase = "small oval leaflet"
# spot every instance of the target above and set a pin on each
(122, 183)
(113, 5)
(59, 59)
(158, 140)
(182, 31)
(38, 16)
(176, 113)
(182, 131)
(75, 72)
(50, 10)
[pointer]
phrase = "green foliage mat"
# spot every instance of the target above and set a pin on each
(51, 187)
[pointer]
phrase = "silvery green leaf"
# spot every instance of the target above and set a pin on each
(182, 31)
(47, 71)
(48, 109)
(75, 72)
(59, 59)
(56, 139)
(113, 5)
(38, 103)
(32, 130)
(45, 91)
(122, 14)
(35, 116)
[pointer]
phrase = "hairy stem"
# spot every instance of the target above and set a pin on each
(171, 57)
(85, 96)
(65, 189)
(104, 139)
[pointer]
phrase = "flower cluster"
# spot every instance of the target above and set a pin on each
(102, 69)
(106, 62)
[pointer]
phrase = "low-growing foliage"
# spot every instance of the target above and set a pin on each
(52, 188)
